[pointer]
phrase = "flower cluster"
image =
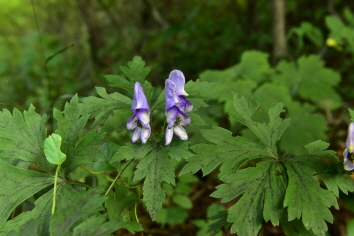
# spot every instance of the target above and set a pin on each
(140, 121)
(349, 150)
(176, 108)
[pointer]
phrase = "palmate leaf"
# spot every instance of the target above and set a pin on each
(155, 168)
(22, 136)
(16, 185)
(231, 151)
(305, 198)
(263, 191)
(73, 206)
(102, 108)
(132, 151)
(35, 222)
(96, 225)
(269, 133)
(70, 125)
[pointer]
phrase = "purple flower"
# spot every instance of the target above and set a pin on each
(141, 118)
(177, 77)
(176, 106)
(349, 151)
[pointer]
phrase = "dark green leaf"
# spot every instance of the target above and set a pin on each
(96, 225)
(16, 185)
(132, 151)
(102, 108)
(22, 136)
(36, 220)
(155, 168)
(302, 192)
(231, 151)
(73, 206)
(259, 185)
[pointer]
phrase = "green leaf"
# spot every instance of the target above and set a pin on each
(229, 151)
(102, 108)
(120, 82)
(52, 149)
(127, 223)
(178, 150)
(263, 190)
(217, 218)
(308, 30)
(132, 151)
(37, 220)
(136, 70)
(302, 192)
(22, 136)
(72, 206)
(318, 158)
(155, 168)
(96, 225)
(118, 200)
(85, 152)
(213, 224)
(172, 216)
(310, 80)
(102, 165)
(182, 201)
(16, 185)
(269, 133)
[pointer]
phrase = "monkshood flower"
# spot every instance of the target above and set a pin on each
(141, 118)
(349, 151)
(176, 107)
(178, 79)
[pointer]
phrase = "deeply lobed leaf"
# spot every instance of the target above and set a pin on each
(155, 168)
(22, 136)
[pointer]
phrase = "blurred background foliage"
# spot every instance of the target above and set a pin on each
(52, 49)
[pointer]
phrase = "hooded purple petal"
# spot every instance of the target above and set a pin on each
(178, 78)
(172, 115)
(170, 94)
(143, 116)
(132, 122)
(184, 105)
(139, 99)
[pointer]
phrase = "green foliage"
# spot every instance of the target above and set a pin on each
(213, 224)
(22, 136)
(155, 168)
(304, 87)
(70, 124)
(17, 185)
(35, 222)
(309, 31)
(72, 206)
(52, 150)
(276, 186)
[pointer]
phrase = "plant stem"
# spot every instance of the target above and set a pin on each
(55, 189)
(117, 177)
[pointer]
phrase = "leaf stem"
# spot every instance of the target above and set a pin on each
(117, 177)
(55, 189)
(92, 172)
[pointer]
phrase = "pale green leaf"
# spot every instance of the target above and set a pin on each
(52, 149)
